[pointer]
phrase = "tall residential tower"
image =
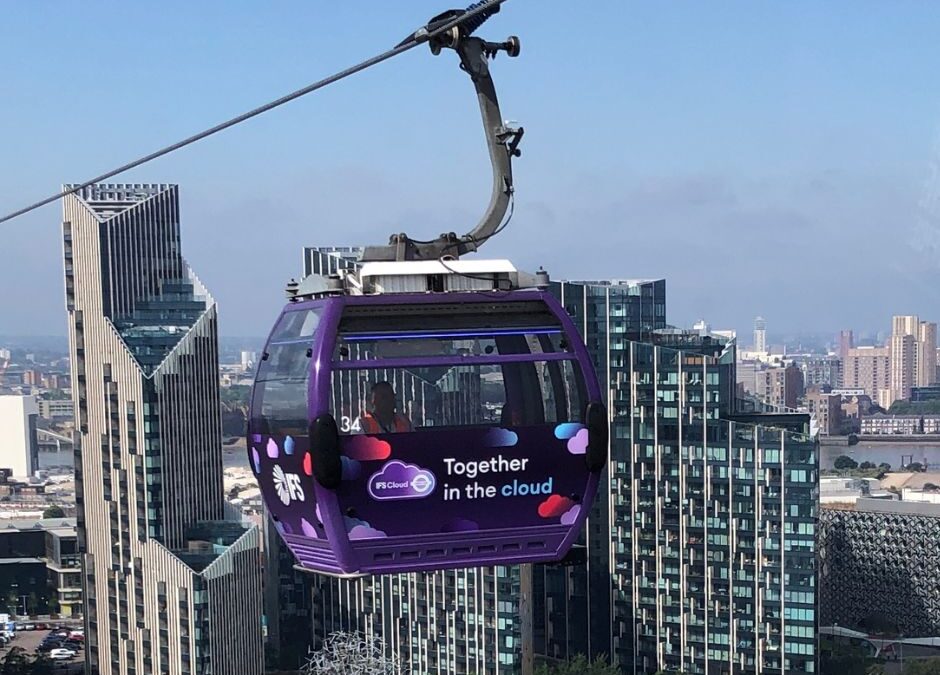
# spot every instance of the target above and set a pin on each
(171, 585)
(701, 549)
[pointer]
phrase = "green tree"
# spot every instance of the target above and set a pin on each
(867, 465)
(845, 462)
(16, 662)
(54, 511)
(579, 665)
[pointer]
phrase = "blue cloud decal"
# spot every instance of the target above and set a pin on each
(566, 430)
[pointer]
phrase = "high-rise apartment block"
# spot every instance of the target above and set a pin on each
(760, 335)
(825, 408)
(701, 551)
(19, 446)
(780, 386)
(869, 369)
(819, 371)
(846, 342)
(171, 584)
(913, 349)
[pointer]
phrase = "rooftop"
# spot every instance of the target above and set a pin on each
(896, 506)
(915, 480)
(23, 524)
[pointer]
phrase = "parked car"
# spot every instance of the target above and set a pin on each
(61, 654)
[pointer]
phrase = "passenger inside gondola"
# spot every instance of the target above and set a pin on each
(384, 417)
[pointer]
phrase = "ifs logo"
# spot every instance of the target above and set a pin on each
(287, 486)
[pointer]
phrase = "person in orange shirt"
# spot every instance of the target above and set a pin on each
(383, 419)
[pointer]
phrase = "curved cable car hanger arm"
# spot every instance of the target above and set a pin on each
(502, 142)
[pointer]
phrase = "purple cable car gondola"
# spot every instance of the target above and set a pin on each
(424, 412)
(491, 454)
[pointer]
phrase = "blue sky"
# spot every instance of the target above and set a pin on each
(775, 159)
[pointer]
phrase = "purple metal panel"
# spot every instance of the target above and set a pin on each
(318, 402)
(450, 360)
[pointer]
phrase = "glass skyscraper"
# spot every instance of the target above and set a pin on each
(700, 554)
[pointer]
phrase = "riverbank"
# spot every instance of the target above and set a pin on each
(920, 439)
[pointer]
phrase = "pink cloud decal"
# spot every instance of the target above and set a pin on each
(366, 448)
(555, 506)
(272, 449)
(308, 464)
(577, 444)
(571, 515)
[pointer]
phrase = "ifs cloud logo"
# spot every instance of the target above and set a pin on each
(397, 480)
(287, 486)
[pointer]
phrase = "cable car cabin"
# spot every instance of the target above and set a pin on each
(394, 433)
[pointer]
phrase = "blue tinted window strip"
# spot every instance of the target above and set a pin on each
(361, 337)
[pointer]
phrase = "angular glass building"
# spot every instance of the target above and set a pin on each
(172, 583)
(700, 554)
